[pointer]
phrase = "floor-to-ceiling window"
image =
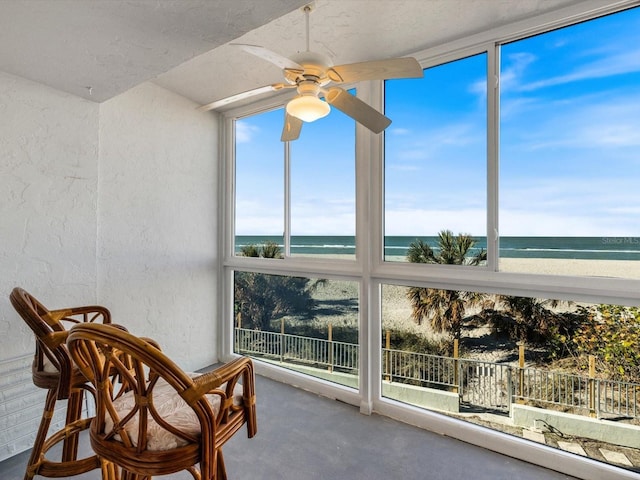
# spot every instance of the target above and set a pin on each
(499, 283)
(259, 180)
(435, 161)
(295, 203)
(569, 150)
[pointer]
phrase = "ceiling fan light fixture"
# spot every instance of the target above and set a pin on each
(311, 73)
(308, 108)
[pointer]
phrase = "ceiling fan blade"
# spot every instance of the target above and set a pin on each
(357, 109)
(292, 127)
(405, 67)
(243, 95)
(269, 56)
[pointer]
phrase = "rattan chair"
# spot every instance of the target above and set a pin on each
(54, 371)
(161, 420)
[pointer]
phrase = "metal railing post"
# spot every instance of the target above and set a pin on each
(330, 346)
(456, 367)
(521, 373)
(592, 385)
(282, 340)
(236, 340)
(387, 359)
(509, 389)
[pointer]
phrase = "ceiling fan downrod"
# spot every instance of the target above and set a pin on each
(307, 10)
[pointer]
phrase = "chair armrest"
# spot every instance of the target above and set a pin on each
(215, 378)
(229, 374)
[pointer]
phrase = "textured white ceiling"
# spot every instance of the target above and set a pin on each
(182, 45)
(347, 31)
(113, 45)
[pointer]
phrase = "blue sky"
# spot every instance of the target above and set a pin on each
(569, 143)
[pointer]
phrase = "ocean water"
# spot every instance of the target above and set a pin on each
(589, 248)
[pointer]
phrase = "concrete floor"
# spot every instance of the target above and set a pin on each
(302, 436)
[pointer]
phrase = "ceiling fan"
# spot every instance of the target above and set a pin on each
(312, 74)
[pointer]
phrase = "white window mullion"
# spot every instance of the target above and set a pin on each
(493, 152)
(363, 235)
(287, 199)
(372, 162)
(227, 247)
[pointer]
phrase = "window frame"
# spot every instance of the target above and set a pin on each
(371, 271)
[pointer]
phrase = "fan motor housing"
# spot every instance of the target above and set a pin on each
(315, 65)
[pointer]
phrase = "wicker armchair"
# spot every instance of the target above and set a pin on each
(160, 420)
(54, 371)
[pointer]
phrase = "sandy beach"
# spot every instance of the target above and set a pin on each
(569, 266)
(628, 269)
(566, 266)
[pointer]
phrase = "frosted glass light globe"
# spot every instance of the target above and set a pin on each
(308, 108)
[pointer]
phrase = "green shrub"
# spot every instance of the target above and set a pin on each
(612, 333)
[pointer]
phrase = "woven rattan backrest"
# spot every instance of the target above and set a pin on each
(152, 418)
(104, 351)
(52, 364)
(49, 333)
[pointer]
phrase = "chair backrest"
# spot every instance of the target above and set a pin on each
(156, 419)
(52, 365)
(104, 352)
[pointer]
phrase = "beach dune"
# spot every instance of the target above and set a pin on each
(396, 309)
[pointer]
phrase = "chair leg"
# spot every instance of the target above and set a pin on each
(37, 455)
(74, 413)
(109, 470)
(134, 476)
(221, 471)
(69, 464)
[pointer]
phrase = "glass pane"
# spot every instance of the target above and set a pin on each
(323, 188)
(566, 374)
(305, 324)
(259, 181)
(569, 150)
(435, 156)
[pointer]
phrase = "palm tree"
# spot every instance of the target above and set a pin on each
(261, 298)
(444, 308)
(530, 319)
(453, 250)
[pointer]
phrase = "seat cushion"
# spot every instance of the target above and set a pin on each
(48, 366)
(172, 409)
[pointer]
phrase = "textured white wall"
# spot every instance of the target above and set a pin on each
(112, 204)
(48, 198)
(157, 265)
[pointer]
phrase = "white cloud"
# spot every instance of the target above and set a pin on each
(327, 223)
(425, 222)
(569, 206)
(245, 132)
(309, 217)
(621, 63)
(406, 167)
(399, 131)
(429, 144)
(510, 77)
(607, 120)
